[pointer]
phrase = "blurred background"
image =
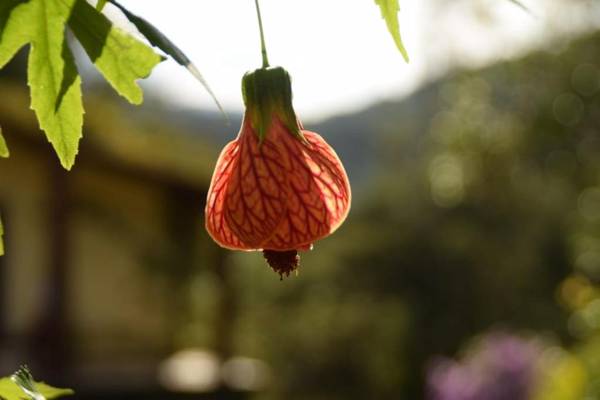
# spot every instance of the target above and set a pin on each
(468, 268)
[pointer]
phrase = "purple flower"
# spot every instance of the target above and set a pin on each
(499, 367)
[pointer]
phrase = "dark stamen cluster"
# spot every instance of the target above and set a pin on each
(282, 262)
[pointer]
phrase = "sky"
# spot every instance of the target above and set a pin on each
(339, 52)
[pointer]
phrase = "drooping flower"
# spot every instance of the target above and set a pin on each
(277, 187)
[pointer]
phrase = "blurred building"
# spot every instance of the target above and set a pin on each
(98, 259)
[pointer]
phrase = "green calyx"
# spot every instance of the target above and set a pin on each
(268, 95)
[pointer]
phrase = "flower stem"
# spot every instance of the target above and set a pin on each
(265, 59)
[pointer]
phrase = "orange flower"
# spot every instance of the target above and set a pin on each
(276, 187)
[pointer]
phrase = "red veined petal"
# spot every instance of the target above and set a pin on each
(215, 221)
(318, 192)
(331, 178)
(256, 199)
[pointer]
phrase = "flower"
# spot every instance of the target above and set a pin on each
(500, 367)
(277, 187)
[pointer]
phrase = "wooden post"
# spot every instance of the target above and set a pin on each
(50, 349)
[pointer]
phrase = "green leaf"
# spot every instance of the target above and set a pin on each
(120, 58)
(52, 75)
(3, 148)
(100, 4)
(9, 390)
(158, 39)
(15, 28)
(53, 78)
(389, 12)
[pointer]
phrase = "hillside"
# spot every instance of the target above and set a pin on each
(360, 137)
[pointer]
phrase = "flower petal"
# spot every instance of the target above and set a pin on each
(318, 194)
(256, 195)
(216, 224)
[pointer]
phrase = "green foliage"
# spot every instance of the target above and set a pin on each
(53, 78)
(21, 383)
(118, 56)
(389, 12)
(158, 39)
(155, 36)
(52, 75)
(14, 28)
(564, 378)
(100, 5)
(3, 148)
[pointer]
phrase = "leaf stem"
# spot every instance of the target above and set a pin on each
(263, 46)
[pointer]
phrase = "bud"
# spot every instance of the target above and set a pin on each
(268, 94)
